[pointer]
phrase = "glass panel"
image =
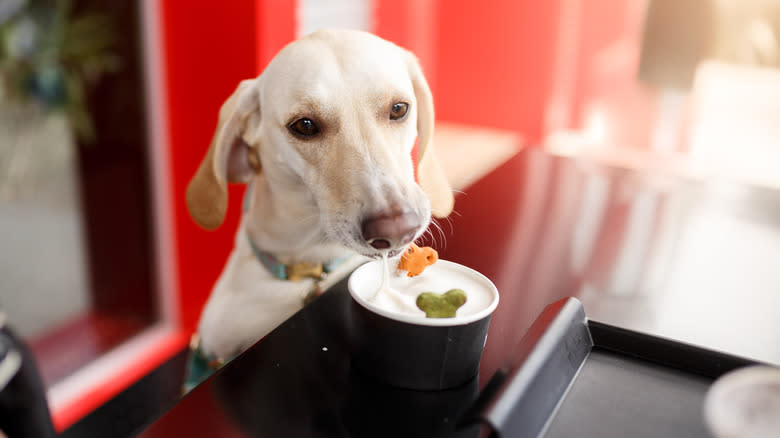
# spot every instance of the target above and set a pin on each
(76, 255)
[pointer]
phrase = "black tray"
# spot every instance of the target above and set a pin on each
(582, 378)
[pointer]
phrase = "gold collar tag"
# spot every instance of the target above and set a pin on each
(299, 271)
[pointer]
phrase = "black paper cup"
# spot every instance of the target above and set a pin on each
(415, 352)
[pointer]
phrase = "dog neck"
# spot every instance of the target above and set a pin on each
(285, 223)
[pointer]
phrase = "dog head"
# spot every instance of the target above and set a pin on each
(332, 122)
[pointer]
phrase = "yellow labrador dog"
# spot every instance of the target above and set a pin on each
(324, 139)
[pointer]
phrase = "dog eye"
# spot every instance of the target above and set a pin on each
(398, 110)
(304, 128)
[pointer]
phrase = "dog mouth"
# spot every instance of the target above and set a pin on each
(389, 253)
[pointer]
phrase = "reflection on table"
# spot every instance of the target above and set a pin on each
(644, 247)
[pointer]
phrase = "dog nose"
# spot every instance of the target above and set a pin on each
(391, 229)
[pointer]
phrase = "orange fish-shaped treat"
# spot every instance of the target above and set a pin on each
(416, 259)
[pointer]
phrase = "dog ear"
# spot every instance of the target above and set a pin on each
(229, 158)
(429, 172)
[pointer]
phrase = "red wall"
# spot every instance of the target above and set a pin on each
(276, 26)
(208, 51)
(411, 24)
(489, 63)
(495, 63)
(603, 24)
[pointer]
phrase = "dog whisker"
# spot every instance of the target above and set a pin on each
(441, 234)
(449, 221)
(429, 232)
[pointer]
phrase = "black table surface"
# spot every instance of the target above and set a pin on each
(298, 381)
(541, 227)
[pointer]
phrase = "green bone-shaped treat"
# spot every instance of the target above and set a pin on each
(441, 305)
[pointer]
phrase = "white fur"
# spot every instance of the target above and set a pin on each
(309, 199)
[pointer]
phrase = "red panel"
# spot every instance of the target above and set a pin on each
(488, 63)
(410, 24)
(276, 27)
(208, 51)
(608, 57)
(495, 63)
(77, 342)
(603, 23)
(92, 399)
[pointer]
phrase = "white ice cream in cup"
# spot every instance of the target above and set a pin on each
(397, 344)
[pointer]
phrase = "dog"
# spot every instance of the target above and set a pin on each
(324, 140)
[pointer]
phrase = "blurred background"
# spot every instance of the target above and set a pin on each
(667, 112)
